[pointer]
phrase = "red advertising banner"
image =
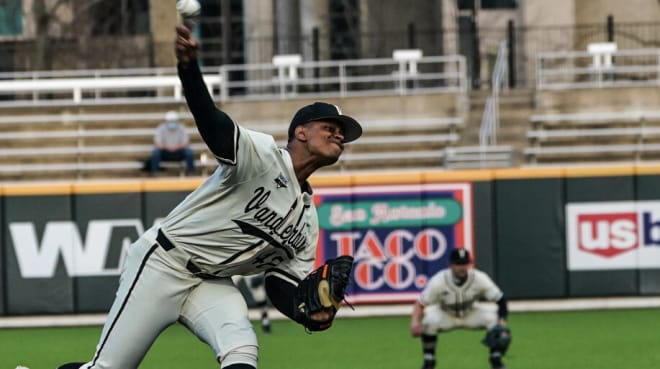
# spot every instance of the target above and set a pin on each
(399, 235)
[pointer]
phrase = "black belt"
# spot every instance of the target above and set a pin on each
(163, 241)
(167, 245)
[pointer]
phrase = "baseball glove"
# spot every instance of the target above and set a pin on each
(323, 289)
(498, 338)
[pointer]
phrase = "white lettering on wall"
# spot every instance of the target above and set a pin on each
(62, 238)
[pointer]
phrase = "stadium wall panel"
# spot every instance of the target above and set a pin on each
(48, 288)
(62, 244)
(530, 237)
(92, 213)
(484, 231)
(3, 285)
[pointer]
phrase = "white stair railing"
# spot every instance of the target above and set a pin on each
(490, 119)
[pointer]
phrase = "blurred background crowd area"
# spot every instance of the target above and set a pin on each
(437, 83)
(40, 35)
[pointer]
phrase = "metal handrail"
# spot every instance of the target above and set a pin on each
(490, 119)
(328, 78)
(443, 74)
(577, 69)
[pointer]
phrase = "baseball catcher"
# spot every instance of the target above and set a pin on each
(322, 291)
(448, 302)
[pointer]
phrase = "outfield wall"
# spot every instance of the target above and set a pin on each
(543, 233)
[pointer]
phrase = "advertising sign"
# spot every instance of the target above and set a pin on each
(613, 235)
(399, 235)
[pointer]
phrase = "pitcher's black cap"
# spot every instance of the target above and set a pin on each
(320, 111)
(459, 256)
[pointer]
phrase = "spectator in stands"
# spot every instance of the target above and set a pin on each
(171, 143)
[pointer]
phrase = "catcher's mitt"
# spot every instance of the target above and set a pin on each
(323, 289)
(498, 338)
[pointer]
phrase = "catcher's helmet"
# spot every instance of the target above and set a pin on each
(459, 256)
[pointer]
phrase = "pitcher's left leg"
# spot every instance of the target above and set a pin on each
(149, 299)
(217, 313)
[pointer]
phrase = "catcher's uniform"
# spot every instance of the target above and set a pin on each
(448, 305)
(251, 215)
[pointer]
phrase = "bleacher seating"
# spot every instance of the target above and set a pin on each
(482, 156)
(401, 143)
(99, 143)
(594, 137)
(103, 129)
(95, 143)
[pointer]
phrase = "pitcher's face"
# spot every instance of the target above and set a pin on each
(325, 139)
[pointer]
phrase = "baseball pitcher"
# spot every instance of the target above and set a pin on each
(253, 214)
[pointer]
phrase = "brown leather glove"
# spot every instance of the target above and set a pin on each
(323, 290)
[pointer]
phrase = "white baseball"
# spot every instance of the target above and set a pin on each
(188, 8)
(22, 367)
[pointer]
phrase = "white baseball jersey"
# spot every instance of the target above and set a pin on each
(251, 215)
(456, 300)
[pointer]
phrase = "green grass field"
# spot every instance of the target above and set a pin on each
(621, 339)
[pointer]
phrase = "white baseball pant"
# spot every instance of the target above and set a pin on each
(436, 319)
(155, 291)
